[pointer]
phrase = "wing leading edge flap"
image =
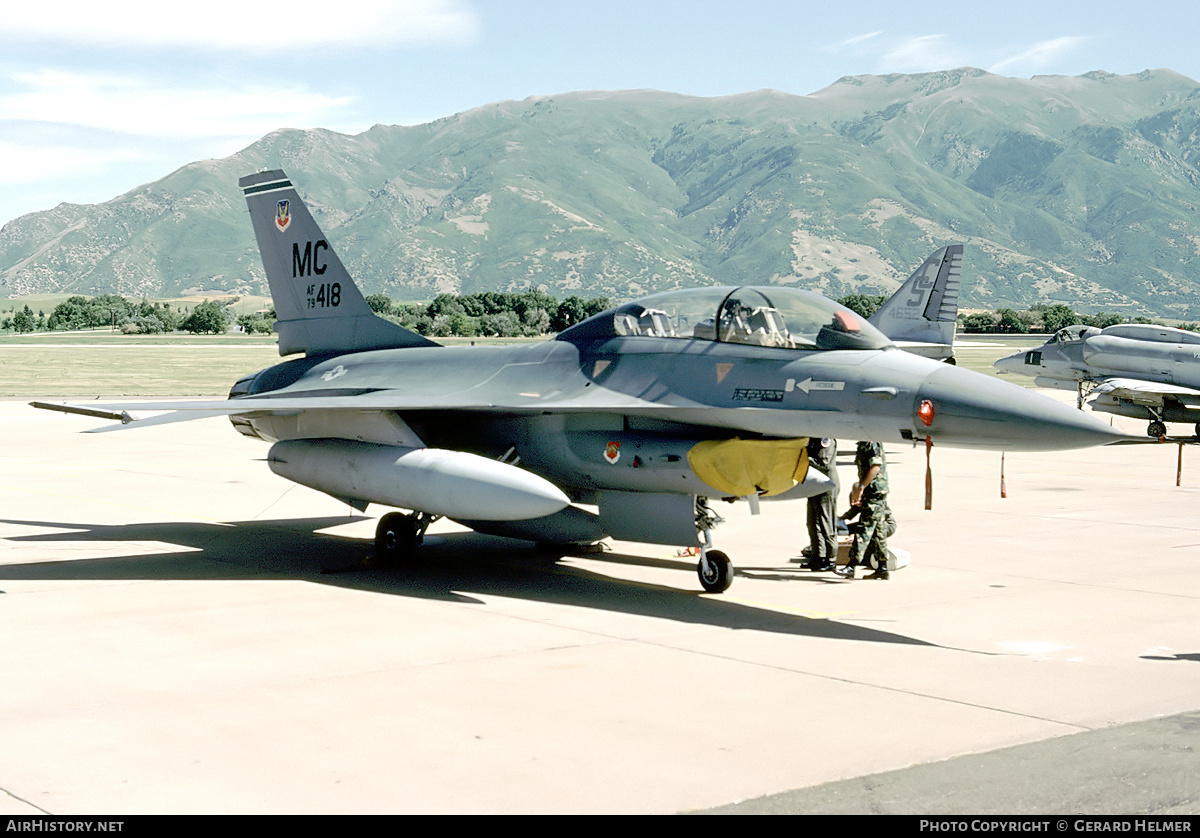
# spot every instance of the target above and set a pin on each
(1146, 392)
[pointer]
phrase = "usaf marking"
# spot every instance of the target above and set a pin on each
(325, 295)
(309, 262)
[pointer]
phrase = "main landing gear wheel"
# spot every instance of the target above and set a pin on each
(1156, 429)
(715, 571)
(396, 537)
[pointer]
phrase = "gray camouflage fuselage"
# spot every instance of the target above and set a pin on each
(1137, 370)
(657, 385)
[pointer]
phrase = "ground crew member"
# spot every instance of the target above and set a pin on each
(822, 520)
(871, 495)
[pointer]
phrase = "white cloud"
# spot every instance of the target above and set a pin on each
(857, 39)
(1039, 56)
(86, 137)
(244, 24)
(924, 54)
(133, 105)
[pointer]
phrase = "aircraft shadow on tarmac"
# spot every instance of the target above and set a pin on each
(1187, 656)
(449, 567)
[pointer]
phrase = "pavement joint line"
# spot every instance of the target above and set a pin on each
(795, 671)
(28, 803)
(883, 687)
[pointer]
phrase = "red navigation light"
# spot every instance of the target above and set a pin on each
(925, 412)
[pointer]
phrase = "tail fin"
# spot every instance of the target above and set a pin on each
(925, 308)
(319, 308)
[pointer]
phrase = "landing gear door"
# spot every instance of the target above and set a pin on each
(650, 517)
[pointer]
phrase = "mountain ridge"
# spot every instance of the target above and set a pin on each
(1076, 189)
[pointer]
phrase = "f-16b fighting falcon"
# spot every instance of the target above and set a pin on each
(623, 425)
(1143, 371)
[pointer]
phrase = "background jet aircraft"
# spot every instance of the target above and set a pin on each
(643, 411)
(921, 316)
(1142, 371)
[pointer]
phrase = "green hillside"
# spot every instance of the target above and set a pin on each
(1080, 190)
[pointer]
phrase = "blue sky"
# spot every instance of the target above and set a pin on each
(98, 98)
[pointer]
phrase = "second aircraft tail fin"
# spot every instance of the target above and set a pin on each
(925, 308)
(318, 307)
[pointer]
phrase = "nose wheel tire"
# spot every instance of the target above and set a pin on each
(1156, 429)
(715, 571)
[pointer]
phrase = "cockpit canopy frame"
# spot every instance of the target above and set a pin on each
(774, 317)
(1075, 333)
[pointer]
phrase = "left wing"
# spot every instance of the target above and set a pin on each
(386, 399)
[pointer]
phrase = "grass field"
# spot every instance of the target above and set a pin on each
(977, 352)
(165, 370)
(98, 363)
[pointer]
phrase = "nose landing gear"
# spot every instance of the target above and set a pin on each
(715, 571)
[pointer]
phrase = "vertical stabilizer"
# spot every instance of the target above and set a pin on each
(925, 308)
(318, 307)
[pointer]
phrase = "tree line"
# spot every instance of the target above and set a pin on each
(1048, 318)
(484, 314)
(120, 313)
(487, 314)
(1045, 318)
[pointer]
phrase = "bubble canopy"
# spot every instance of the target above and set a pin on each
(777, 317)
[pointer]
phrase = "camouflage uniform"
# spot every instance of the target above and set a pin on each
(875, 517)
(822, 518)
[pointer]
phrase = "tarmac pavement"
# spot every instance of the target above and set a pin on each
(171, 646)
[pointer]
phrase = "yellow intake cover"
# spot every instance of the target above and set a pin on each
(739, 467)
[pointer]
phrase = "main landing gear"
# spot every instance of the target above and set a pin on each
(397, 535)
(1157, 427)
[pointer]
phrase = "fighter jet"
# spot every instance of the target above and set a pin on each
(1141, 371)
(920, 317)
(641, 413)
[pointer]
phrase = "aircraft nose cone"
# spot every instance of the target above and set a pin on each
(976, 411)
(1011, 363)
